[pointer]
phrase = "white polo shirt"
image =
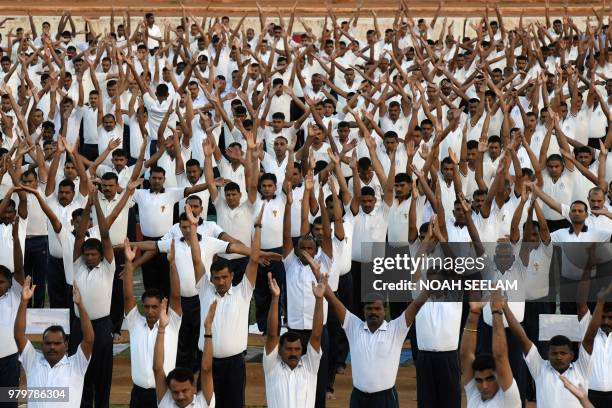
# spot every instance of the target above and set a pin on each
(68, 372)
(291, 388)
(142, 345)
(183, 182)
(271, 165)
(538, 270)
(6, 242)
(65, 216)
(511, 398)
(369, 228)
(231, 327)
(118, 229)
(237, 222)
(398, 223)
(375, 356)
(574, 255)
(227, 171)
(550, 391)
(9, 304)
(67, 238)
(156, 210)
(104, 138)
(272, 220)
(198, 401)
(96, 287)
(438, 326)
(209, 247)
(561, 191)
(300, 299)
(123, 175)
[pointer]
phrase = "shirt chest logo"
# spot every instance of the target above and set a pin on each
(163, 208)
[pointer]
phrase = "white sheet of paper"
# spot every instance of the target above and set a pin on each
(553, 325)
(37, 320)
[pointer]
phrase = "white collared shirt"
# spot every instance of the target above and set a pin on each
(574, 254)
(231, 328)
(560, 190)
(369, 228)
(183, 182)
(398, 223)
(237, 222)
(156, 210)
(9, 304)
(272, 220)
(209, 247)
(68, 372)
(118, 229)
(65, 216)
(601, 373)
(198, 401)
(438, 326)
(550, 391)
(96, 287)
(142, 344)
(6, 242)
(375, 356)
(511, 398)
(300, 299)
(67, 238)
(287, 388)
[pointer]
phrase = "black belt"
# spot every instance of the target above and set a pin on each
(358, 391)
(234, 357)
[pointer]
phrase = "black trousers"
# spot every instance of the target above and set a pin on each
(189, 333)
(338, 343)
(322, 373)
(116, 312)
(90, 151)
(56, 284)
(35, 264)
(156, 272)
(600, 399)
(356, 268)
(99, 375)
(238, 266)
(262, 292)
(515, 355)
(229, 378)
(438, 379)
(143, 397)
(381, 399)
(9, 376)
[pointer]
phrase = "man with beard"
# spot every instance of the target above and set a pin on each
(53, 367)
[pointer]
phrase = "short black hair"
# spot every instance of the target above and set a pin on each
(180, 374)
(483, 361)
(219, 265)
(95, 244)
(55, 329)
(152, 293)
(288, 337)
(560, 340)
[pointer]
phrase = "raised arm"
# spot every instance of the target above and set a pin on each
(158, 352)
(194, 244)
(517, 330)
(207, 356)
(129, 301)
(467, 351)
(500, 345)
(86, 326)
(591, 331)
(252, 266)
(273, 330)
(104, 228)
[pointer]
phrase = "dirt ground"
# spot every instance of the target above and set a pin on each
(255, 390)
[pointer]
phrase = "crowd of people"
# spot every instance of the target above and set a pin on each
(231, 164)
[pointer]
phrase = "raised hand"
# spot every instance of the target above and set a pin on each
(76, 295)
(164, 320)
(129, 252)
(28, 289)
(319, 289)
(192, 218)
(132, 185)
(274, 288)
